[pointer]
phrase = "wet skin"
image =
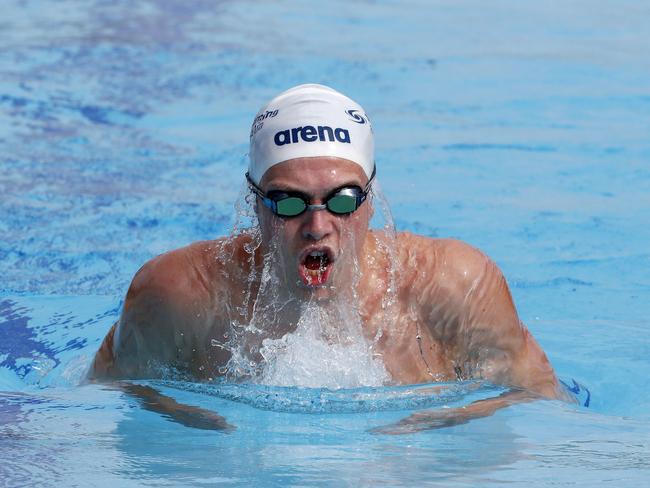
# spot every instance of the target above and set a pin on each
(452, 316)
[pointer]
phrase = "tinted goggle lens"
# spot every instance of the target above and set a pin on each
(290, 206)
(342, 204)
(345, 201)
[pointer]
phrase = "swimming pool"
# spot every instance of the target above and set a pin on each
(520, 128)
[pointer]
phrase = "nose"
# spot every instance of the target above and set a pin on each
(317, 224)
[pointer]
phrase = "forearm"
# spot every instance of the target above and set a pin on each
(438, 419)
(187, 415)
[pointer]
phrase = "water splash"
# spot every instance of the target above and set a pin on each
(279, 339)
(325, 350)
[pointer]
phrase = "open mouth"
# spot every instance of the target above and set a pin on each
(315, 267)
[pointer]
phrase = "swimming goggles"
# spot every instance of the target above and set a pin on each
(341, 201)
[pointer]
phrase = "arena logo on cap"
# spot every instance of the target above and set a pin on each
(355, 116)
(309, 133)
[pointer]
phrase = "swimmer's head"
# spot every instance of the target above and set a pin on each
(314, 252)
(310, 121)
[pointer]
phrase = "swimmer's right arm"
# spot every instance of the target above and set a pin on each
(162, 313)
(150, 398)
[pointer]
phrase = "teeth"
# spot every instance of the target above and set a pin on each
(317, 253)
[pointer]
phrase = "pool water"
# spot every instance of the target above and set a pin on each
(521, 128)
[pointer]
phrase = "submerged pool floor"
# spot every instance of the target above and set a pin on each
(519, 128)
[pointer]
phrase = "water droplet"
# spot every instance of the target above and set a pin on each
(216, 343)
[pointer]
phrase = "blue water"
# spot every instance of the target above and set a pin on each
(521, 128)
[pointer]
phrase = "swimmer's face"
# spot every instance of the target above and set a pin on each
(318, 250)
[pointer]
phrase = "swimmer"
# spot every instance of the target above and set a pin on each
(311, 171)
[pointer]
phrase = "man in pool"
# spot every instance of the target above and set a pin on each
(449, 314)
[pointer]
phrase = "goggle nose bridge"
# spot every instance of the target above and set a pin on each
(312, 207)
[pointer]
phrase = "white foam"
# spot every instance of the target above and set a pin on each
(322, 352)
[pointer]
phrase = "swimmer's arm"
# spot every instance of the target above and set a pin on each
(158, 325)
(494, 338)
(473, 313)
(467, 306)
(438, 419)
(187, 415)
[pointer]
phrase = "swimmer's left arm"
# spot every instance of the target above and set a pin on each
(473, 314)
(493, 336)
(449, 417)
(466, 304)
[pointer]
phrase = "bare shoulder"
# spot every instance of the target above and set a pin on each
(193, 272)
(453, 266)
(176, 273)
(457, 291)
(172, 303)
(182, 288)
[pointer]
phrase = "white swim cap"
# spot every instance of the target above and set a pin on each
(310, 120)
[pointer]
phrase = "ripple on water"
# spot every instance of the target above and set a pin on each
(350, 400)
